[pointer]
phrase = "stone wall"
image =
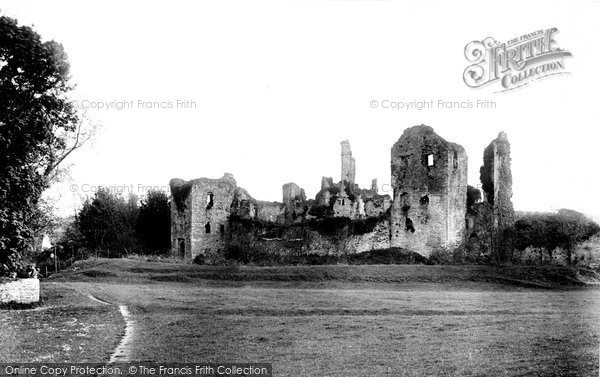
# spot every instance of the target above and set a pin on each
(22, 291)
(379, 238)
(319, 237)
(271, 212)
(429, 179)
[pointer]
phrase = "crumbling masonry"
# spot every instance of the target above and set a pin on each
(431, 208)
(429, 178)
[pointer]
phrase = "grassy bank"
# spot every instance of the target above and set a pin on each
(449, 277)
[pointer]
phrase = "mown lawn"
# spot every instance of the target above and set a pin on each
(358, 320)
(345, 320)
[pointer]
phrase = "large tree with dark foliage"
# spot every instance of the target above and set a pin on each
(36, 122)
(108, 223)
(550, 231)
(154, 222)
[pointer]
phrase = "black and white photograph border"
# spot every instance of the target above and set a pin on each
(299, 188)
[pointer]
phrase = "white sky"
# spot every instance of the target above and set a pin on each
(278, 84)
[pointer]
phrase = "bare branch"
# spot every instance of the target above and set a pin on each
(81, 138)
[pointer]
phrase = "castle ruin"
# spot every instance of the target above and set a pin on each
(429, 178)
(431, 207)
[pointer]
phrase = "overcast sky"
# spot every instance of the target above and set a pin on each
(278, 84)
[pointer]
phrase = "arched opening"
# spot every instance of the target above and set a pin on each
(209, 200)
(424, 200)
(207, 228)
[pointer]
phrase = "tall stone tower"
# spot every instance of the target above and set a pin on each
(200, 210)
(348, 163)
(496, 182)
(429, 178)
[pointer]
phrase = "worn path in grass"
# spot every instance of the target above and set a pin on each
(355, 321)
(365, 332)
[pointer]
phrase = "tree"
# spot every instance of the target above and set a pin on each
(36, 120)
(108, 222)
(550, 231)
(154, 222)
(574, 228)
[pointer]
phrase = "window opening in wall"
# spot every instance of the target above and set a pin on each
(409, 225)
(207, 228)
(424, 200)
(209, 200)
(429, 160)
(455, 160)
(222, 229)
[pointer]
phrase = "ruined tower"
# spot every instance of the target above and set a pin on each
(374, 185)
(200, 210)
(429, 179)
(294, 199)
(348, 163)
(496, 182)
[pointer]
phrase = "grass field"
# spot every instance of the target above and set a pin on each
(66, 327)
(338, 320)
